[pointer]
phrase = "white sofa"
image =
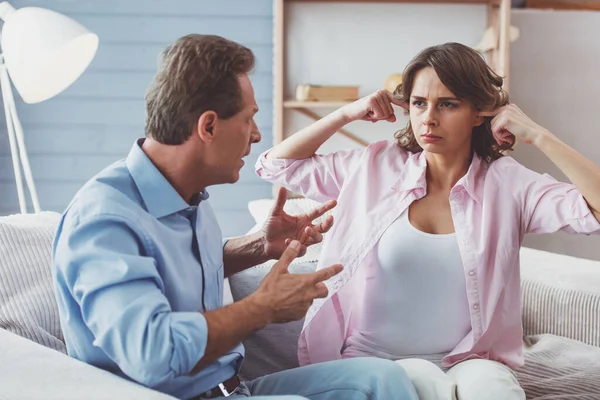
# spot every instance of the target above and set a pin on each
(561, 318)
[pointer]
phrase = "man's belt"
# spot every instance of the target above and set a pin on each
(224, 389)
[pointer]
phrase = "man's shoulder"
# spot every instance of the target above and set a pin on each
(111, 192)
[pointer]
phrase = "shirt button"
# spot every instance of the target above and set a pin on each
(471, 273)
(475, 306)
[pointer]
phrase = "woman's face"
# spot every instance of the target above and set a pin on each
(441, 122)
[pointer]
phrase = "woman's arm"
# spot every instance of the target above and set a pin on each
(582, 172)
(305, 143)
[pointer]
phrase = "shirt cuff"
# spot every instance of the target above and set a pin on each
(190, 337)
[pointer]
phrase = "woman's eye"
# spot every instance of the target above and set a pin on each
(418, 103)
(446, 104)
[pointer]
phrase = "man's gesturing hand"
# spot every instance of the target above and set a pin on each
(287, 296)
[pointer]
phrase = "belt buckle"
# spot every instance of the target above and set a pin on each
(224, 391)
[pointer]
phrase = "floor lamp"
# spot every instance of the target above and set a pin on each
(43, 53)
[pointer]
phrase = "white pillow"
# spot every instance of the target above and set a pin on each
(28, 307)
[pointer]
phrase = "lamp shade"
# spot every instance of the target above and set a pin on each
(44, 51)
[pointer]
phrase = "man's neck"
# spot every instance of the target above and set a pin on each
(179, 166)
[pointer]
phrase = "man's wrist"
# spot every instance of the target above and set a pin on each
(259, 309)
(260, 241)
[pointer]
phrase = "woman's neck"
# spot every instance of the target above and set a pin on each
(443, 170)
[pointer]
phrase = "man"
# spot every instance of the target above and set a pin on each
(139, 260)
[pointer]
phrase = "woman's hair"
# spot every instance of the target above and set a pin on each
(465, 73)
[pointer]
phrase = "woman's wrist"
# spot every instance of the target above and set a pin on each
(343, 116)
(543, 138)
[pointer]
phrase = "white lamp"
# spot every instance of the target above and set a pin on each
(44, 52)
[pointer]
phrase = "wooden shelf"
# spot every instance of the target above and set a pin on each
(563, 4)
(295, 104)
(497, 2)
(498, 21)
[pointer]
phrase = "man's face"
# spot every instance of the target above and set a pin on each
(235, 135)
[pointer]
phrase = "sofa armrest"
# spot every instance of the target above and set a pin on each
(31, 371)
(560, 296)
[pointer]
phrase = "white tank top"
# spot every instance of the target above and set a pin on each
(416, 298)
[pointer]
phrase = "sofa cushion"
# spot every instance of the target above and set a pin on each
(559, 368)
(561, 295)
(27, 304)
(30, 371)
(273, 348)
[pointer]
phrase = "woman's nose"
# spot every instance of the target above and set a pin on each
(429, 117)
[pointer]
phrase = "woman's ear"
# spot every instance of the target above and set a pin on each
(206, 126)
(479, 120)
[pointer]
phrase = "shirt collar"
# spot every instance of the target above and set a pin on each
(413, 176)
(159, 196)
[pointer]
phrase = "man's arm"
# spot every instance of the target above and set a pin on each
(119, 293)
(281, 297)
(243, 252)
(99, 265)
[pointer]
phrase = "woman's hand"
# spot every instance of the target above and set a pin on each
(374, 107)
(510, 120)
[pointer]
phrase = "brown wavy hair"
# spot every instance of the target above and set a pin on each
(195, 74)
(466, 74)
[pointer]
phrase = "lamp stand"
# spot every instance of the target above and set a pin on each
(17, 143)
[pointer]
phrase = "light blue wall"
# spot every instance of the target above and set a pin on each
(94, 122)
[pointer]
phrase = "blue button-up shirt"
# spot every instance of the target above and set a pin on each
(134, 266)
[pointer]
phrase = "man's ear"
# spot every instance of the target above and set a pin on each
(206, 125)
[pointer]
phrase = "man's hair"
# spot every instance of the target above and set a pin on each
(465, 73)
(197, 73)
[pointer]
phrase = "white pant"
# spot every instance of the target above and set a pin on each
(470, 380)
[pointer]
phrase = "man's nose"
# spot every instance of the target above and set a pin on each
(255, 137)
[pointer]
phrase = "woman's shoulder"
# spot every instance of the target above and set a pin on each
(511, 172)
(505, 164)
(387, 148)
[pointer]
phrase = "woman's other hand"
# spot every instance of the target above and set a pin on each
(510, 120)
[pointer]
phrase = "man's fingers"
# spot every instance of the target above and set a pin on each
(317, 212)
(302, 251)
(326, 225)
(321, 291)
(280, 201)
(289, 254)
(314, 236)
(325, 273)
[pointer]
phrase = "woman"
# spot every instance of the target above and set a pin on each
(429, 226)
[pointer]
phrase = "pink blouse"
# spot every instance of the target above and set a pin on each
(492, 207)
